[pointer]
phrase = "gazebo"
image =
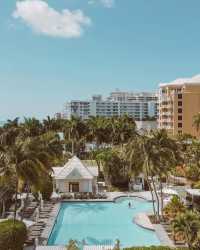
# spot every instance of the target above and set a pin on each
(75, 177)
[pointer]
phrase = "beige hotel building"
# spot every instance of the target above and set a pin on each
(179, 101)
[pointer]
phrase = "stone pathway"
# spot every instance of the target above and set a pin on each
(163, 236)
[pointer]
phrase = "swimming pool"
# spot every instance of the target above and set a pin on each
(101, 223)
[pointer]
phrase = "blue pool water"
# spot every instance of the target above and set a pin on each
(101, 223)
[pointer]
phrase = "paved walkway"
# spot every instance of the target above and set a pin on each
(163, 236)
(143, 220)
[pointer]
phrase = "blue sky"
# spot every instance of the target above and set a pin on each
(57, 50)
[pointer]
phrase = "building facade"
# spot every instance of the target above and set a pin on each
(141, 106)
(179, 102)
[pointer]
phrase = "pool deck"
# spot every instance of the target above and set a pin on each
(163, 236)
(50, 223)
(142, 220)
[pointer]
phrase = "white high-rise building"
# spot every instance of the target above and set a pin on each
(142, 106)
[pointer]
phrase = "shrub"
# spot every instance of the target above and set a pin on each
(174, 207)
(12, 235)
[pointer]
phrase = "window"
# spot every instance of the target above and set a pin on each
(179, 125)
(179, 103)
(179, 110)
(180, 117)
(179, 96)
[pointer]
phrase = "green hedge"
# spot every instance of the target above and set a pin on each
(154, 248)
(12, 235)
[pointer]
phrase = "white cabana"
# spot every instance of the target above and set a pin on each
(75, 176)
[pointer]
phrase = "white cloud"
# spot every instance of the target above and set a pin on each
(108, 3)
(180, 81)
(45, 20)
(105, 3)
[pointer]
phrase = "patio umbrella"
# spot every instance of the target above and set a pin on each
(55, 195)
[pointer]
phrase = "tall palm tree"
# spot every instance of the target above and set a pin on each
(123, 128)
(52, 124)
(32, 127)
(75, 133)
(98, 130)
(168, 154)
(24, 159)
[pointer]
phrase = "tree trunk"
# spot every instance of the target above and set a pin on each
(157, 198)
(16, 192)
(161, 196)
(3, 208)
(150, 188)
(73, 147)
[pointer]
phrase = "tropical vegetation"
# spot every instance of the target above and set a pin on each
(12, 235)
(30, 148)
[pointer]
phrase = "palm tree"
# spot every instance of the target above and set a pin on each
(52, 124)
(7, 190)
(193, 163)
(25, 159)
(196, 122)
(123, 128)
(188, 225)
(75, 133)
(98, 132)
(32, 127)
(168, 156)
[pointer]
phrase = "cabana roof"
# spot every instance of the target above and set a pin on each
(75, 169)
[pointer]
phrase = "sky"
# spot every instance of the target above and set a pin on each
(52, 51)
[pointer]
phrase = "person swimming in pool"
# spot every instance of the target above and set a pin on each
(129, 204)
